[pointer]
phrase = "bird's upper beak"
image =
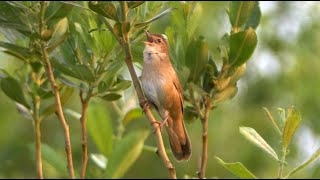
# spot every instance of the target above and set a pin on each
(149, 38)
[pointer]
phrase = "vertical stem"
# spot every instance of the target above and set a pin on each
(283, 158)
(204, 156)
(54, 87)
(37, 123)
(83, 121)
(38, 149)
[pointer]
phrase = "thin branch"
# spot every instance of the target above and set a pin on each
(204, 156)
(83, 121)
(59, 112)
(282, 161)
(37, 123)
(272, 120)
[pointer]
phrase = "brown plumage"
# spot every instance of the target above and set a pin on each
(162, 89)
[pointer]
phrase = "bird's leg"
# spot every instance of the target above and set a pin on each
(161, 124)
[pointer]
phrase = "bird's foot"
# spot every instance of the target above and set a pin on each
(160, 124)
(145, 104)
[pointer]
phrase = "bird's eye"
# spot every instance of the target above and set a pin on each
(158, 40)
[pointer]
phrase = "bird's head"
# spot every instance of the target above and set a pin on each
(156, 47)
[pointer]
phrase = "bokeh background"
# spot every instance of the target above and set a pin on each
(283, 71)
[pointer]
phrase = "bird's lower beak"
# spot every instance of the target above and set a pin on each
(149, 37)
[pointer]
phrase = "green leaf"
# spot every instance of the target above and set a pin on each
(106, 9)
(18, 51)
(12, 88)
(125, 27)
(255, 17)
(126, 153)
(100, 128)
(134, 4)
(121, 86)
(197, 89)
(52, 157)
(291, 125)
(226, 94)
(13, 25)
(56, 11)
(59, 34)
(314, 157)
(242, 45)
(64, 97)
(197, 56)
(145, 23)
(102, 87)
(131, 115)
(11, 13)
(237, 169)
(282, 117)
(117, 29)
(79, 71)
(251, 135)
(84, 73)
(239, 12)
(111, 97)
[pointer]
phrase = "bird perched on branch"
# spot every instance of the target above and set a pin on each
(163, 91)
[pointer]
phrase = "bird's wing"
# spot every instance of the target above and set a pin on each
(179, 90)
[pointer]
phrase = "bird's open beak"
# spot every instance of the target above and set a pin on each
(149, 38)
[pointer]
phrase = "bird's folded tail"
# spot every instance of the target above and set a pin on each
(180, 143)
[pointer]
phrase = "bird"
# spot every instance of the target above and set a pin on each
(163, 91)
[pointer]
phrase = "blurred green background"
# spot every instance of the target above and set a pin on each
(283, 71)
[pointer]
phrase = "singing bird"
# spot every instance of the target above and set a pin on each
(163, 91)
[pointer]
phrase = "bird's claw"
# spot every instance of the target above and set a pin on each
(145, 105)
(160, 124)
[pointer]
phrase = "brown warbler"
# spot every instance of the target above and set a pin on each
(163, 91)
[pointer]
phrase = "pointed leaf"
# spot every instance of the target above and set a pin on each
(282, 117)
(163, 13)
(240, 11)
(117, 29)
(131, 115)
(57, 11)
(19, 51)
(59, 33)
(125, 28)
(291, 125)
(122, 85)
(12, 25)
(106, 9)
(79, 71)
(237, 169)
(251, 135)
(84, 73)
(134, 4)
(197, 56)
(100, 128)
(126, 153)
(12, 88)
(111, 97)
(226, 94)
(242, 45)
(255, 16)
